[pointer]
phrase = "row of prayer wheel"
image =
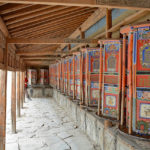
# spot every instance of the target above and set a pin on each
(114, 77)
(33, 75)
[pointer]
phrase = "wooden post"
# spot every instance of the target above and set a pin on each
(82, 36)
(87, 82)
(73, 77)
(21, 94)
(100, 79)
(108, 22)
(120, 80)
(123, 80)
(3, 99)
(81, 78)
(13, 102)
(130, 83)
(18, 93)
(23, 87)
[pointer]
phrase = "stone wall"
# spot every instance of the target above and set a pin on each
(107, 139)
(39, 92)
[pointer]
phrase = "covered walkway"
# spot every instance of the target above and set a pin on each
(46, 126)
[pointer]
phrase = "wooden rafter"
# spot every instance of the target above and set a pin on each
(48, 18)
(10, 8)
(128, 4)
(55, 26)
(32, 15)
(25, 11)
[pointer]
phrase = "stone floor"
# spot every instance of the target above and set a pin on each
(46, 126)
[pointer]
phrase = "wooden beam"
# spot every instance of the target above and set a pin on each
(39, 58)
(38, 62)
(49, 41)
(127, 4)
(3, 28)
(29, 49)
(108, 22)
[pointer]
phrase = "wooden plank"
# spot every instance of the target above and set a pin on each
(13, 102)
(128, 4)
(49, 41)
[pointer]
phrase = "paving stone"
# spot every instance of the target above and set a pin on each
(12, 146)
(46, 126)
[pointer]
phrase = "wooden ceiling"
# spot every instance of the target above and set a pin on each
(41, 21)
(32, 19)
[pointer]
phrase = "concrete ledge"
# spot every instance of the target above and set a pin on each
(93, 126)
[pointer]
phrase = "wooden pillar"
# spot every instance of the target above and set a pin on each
(123, 80)
(23, 87)
(87, 80)
(13, 102)
(73, 77)
(18, 93)
(82, 36)
(100, 80)
(108, 22)
(130, 83)
(3, 99)
(21, 90)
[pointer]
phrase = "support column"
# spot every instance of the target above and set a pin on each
(23, 78)
(82, 36)
(13, 102)
(108, 22)
(18, 93)
(123, 80)
(3, 99)
(21, 89)
(73, 77)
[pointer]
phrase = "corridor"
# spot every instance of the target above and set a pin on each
(45, 126)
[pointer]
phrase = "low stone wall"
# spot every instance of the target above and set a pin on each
(39, 92)
(107, 139)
